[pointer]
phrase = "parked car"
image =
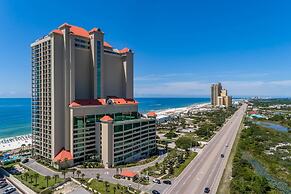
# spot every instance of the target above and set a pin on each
(9, 190)
(167, 182)
(25, 160)
(155, 192)
(222, 155)
(157, 181)
(206, 190)
(2, 185)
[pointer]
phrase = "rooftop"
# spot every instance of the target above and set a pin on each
(102, 101)
(127, 173)
(63, 155)
(79, 31)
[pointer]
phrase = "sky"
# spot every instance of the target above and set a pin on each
(180, 47)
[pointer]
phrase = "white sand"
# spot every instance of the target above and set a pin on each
(175, 111)
(11, 143)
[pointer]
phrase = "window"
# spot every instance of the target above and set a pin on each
(118, 128)
(127, 127)
(90, 120)
(78, 122)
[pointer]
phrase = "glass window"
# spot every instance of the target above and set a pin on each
(118, 128)
(127, 126)
(90, 120)
(78, 122)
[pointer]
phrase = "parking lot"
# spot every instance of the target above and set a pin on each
(9, 185)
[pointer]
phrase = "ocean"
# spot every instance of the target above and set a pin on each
(15, 113)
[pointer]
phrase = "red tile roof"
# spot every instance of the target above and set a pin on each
(124, 50)
(57, 31)
(101, 101)
(151, 114)
(78, 31)
(62, 155)
(106, 118)
(106, 44)
(127, 173)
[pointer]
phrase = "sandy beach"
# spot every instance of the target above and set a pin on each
(11, 143)
(175, 111)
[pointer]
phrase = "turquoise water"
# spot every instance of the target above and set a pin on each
(272, 126)
(15, 113)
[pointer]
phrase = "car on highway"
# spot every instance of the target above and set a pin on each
(222, 155)
(226, 145)
(206, 190)
(9, 190)
(157, 181)
(167, 182)
(155, 192)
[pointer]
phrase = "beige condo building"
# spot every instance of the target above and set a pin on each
(82, 90)
(219, 96)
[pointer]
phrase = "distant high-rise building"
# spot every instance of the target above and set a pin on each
(215, 92)
(219, 96)
(82, 100)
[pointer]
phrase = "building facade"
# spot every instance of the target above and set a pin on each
(219, 96)
(78, 78)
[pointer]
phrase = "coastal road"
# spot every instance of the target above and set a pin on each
(207, 168)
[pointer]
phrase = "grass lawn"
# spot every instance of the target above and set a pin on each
(41, 181)
(99, 186)
(179, 170)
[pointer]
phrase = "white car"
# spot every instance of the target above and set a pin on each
(9, 190)
(157, 181)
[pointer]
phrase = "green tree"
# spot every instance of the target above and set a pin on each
(36, 175)
(26, 175)
(78, 173)
(56, 176)
(47, 178)
(97, 176)
(186, 142)
(64, 172)
(73, 170)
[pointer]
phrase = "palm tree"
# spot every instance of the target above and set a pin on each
(47, 178)
(73, 170)
(78, 173)
(106, 185)
(82, 175)
(36, 175)
(31, 177)
(64, 172)
(66, 162)
(56, 176)
(97, 176)
(26, 175)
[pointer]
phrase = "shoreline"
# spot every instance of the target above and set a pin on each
(15, 142)
(174, 111)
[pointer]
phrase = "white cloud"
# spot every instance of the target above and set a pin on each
(198, 88)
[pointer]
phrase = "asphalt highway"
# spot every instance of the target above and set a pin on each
(207, 168)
